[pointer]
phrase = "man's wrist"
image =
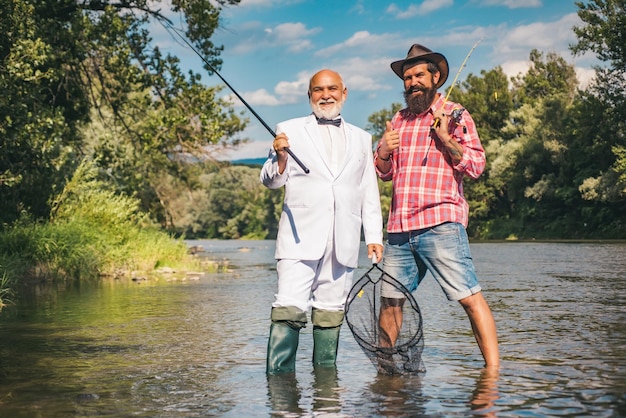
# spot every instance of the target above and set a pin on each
(380, 157)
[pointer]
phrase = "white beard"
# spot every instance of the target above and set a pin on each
(327, 113)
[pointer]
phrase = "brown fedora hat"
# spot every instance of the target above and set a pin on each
(419, 52)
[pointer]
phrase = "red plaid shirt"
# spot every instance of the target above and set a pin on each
(427, 186)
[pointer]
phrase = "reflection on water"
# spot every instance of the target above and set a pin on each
(326, 390)
(393, 395)
(485, 395)
(197, 348)
(284, 394)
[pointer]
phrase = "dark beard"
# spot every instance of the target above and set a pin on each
(420, 103)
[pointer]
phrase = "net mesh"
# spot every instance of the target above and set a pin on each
(393, 342)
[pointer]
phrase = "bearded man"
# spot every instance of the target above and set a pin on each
(319, 231)
(426, 150)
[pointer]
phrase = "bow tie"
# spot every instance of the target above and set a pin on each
(323, 121)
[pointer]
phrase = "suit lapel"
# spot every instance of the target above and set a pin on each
(313, 131)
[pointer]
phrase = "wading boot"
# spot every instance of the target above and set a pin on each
(281, 348)
(325, 343)
(326, 326)
(287, 321)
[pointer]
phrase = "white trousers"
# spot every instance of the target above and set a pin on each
(321, 284)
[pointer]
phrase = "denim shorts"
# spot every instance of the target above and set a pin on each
(443, 250)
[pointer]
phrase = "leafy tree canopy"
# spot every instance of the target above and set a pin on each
(82, 79)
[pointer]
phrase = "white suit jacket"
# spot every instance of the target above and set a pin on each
(346, 200)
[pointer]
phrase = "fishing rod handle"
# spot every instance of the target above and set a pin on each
(291, 154)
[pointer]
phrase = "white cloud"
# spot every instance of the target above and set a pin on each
(291, 37)
(585, 76)
(363, 83)
(363, 74)
(262, 3)
(266, 3)
(514, 68)
(291, 92)
(257, 97)
(285, 92)
(295, 91)
(424, 8)
(360, 42)
(511, 4)
(513, 46)
(358, 8)
(291, 30)
(554, 36)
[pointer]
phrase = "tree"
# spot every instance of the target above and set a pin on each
(604, 31)
(542, 184)
(40, 108)
(239, 206)
(377, 121)
(82, 80)
(488, 99)
(377, 124)
(604, 34)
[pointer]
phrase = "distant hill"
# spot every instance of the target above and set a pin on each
(249, 161)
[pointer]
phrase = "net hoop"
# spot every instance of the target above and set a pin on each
(362, 309)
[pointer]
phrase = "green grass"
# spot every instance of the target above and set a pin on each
(92, 232)
(5, 291)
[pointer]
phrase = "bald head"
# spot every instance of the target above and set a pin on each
(326, 76)
(327, 94)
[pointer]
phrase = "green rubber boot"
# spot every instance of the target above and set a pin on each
(287, 321)
(326, 326)
(325, 344)
(281, 348)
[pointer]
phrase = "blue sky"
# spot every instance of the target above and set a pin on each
(272, 47)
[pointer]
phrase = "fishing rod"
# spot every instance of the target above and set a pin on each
(168, 26)
(461, 68)
(456, 113)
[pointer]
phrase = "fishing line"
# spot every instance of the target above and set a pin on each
(170, 28)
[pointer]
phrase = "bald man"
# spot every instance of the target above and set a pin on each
(319, 232)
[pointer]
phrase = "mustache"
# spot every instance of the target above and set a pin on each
(415, 89)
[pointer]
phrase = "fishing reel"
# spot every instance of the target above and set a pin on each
(455, 116)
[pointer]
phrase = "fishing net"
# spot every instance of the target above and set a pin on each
(392, 341)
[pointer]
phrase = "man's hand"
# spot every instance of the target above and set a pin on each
(281, 142)
(375, 250)
(442, 129)
(389, 142)
(441, 125)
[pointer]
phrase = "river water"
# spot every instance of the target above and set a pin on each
(196, 347)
